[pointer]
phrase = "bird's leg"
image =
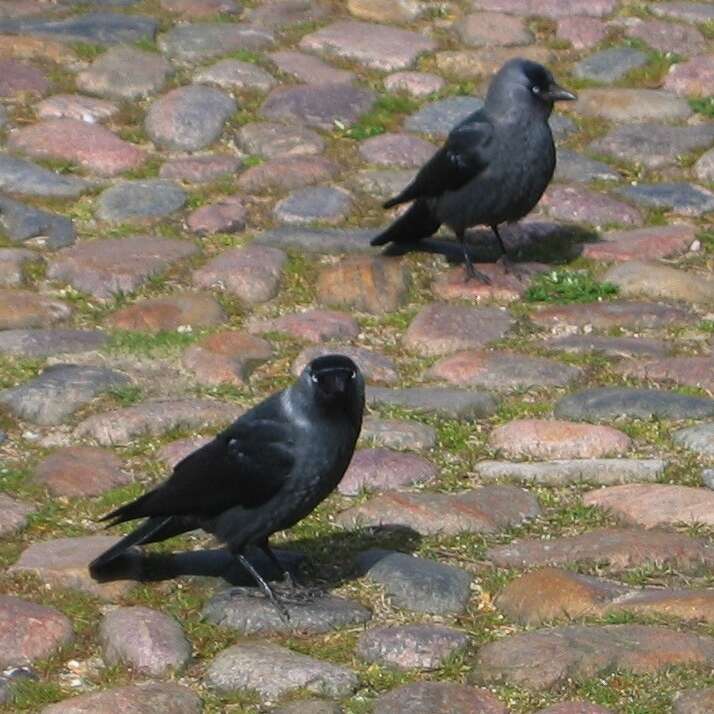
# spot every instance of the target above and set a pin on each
(288, 579)
(297, 594)
(471, 272)
(266, 589)
(504, 261)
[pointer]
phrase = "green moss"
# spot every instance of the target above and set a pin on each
(703, 105)
(567, 286)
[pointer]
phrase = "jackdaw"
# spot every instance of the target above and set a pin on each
(493, 167)
(263, 474)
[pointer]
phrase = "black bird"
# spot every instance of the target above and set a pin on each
(493, 167)
(263, 474)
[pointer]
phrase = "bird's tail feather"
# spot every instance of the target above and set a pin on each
(142, 534)
(414, 224)
(128, 512)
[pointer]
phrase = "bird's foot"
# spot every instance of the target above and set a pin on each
(511, 268)
(471, 273)
(276, 600)
(293, 593)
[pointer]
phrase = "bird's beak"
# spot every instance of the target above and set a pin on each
(556, 93)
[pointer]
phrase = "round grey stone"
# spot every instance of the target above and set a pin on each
(314, 204)
(610, 65)
(139, 200)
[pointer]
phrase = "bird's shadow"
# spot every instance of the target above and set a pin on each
(529, 241)
(326, 561)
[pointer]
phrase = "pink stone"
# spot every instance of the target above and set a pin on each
(555, 439)
(311, 325)
(504, 286)
(582, 205)
(18, 78)
(692, 78)
(668, 36)
(76, 106)
(92, 147)
(688, 371)
(418, 84)
(385, 470)
(642, 243)
(401, 150)
(581, 32)
(286, 174)
(489, 29)
(309, 69)
(227, 215)
(175, 451)
(200, 169)
(548, 8)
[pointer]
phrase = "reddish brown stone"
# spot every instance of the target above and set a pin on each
(581, 32)
(168, 313)
(504, 286)
(688, 371)
(90, 146)
(582, 205)
(76, 106)
(30, 48)
(200, 169)
(692, 78)
(310, 325)
(400, 150)
(81, 471)
(554, 439)
(642, 243)
(365, 283)
(22, 308)
(176, 451)
(433, 697)
(13, 514)
(227, 215)
(18, 78)
(668, 37)
(385, 469)
(226, 357)
(287, 174)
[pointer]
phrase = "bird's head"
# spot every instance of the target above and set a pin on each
(521, 82)
(335, 382)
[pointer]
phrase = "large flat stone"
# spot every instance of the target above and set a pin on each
(442, 697)
(632, 105)
(384, 469)
(456, 403)
(140, 201)
(30, 225)
(318, 240)
(195, 42)
(24, 177)
(25, 309)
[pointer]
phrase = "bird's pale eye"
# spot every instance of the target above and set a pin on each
(535, 89)
(314, 378)
(353, 375)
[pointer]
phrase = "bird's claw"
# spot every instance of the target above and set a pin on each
(472, 273)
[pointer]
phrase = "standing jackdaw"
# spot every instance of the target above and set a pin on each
(493, 168)
(263, 474)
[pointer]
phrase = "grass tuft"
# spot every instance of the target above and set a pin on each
(567, 286)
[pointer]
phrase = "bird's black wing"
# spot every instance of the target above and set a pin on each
(462, 157)
(245, 465)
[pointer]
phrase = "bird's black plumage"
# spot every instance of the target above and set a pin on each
(493, 167)
(264, 473)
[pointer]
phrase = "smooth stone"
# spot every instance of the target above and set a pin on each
(692, 78)
(383, 469)
(200, 169)
(140, 200)
(309, 69)
(667, 37)
(378, 11)
(14, 514)
(555, 439)
(76, 106)
(311, 325)
(503, 371)
(704, 168)
(50, 341)
(610, 346)
(59, 391)
(63, 563)
(287, 173)
(699, 438)
(30, 632)
(27, 224)
(423, 647)
(116, 265)
(125, 73)
(603, 403)
(369, 284)
(440, 328)
(442, 697)
(318, 240)
(168, 313)
(683, 198)
(635, 278)
(549, 8)
(81, 471)
(90, 146)
(279, 14)
(252, 273)
(14, 263)
(489, 29)
(688, 371)
(102, 28)
(651, 505)
(604, 315)
(505, 287)
(25, 309)
(235, 75)
(417, 584)
(381, 183)
(176, 451)
(189, 118)
(154, 418)
(323, 106)
(566, 471)
(610, 65)
(148, 698)
(201, 8)
(572, 166)
(375, 46)
(642, 243)
(632, 105)
(477, 65)
(687, 11)
(487, 509)
(617, 549)
(440, 117)
(24, 177)
(195, 42)
(227, 215)
(416, 84)
(578, 204)
(653, 145)
(396, 150)
(253, 615)
(582, 32)
(149, 641)
(692, 701)
(20, 80)
(397, 434)
(314, 204)
(544, 659)
(275, 671)
(375, 366)
(455, 403)
(226, 357)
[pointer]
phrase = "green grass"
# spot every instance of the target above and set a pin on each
(703, 105)
(567, 286)
(87, 51)
(149, 345)
(384, 116)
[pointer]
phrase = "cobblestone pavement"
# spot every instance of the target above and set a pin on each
(188, 192)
